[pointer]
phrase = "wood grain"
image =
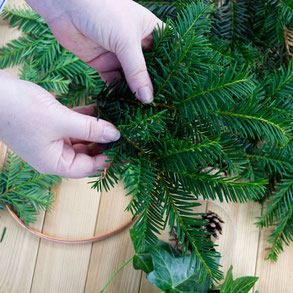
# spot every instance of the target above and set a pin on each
(108, 255)
(59, 267)
(18, 251)
(274, 277)
(239, 243)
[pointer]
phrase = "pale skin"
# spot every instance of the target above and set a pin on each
(109, 36)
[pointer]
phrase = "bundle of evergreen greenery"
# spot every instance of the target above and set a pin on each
(220, 126)
(25, 189)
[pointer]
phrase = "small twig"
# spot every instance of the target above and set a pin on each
(3, 234)
(134, 144)
(158, 105)
(286, 41)
(114, 275)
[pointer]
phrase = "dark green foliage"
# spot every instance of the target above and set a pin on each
(220, 125)
(173, 274)
(169, 271)
(24, 189)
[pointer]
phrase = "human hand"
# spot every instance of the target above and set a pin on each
(49, 136)
(106, 34)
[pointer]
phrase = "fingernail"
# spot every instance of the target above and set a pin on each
(145, 94)
(111, 134)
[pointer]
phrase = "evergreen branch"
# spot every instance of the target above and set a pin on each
(48, 50)
(205, 96)
(176, 65)
(281, 83)
(279, 213)
(277, 237)
(183, 217)
(14, 52)
(63, 67)
(246, 116)
(212, 185)
(113, 174)
(259, 124)
(57, 84)
(278, 161)
(25, 189)
(25, 19)
(36, 200)
(278, 199)
(218, 87)
(191, 18)
(183, 155)
(140, 180)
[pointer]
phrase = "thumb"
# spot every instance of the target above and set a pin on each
(133, 64)
(88, 128)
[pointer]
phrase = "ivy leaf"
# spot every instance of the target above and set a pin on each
(240, 285)
(175, 274)
(142, 260)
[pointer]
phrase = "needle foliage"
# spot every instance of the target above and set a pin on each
(24, 189)
(220, 126)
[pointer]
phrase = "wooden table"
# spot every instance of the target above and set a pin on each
(28, 264)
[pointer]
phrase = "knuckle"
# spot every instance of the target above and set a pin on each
(92, 131)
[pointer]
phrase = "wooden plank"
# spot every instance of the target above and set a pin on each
(3, 151)
(239, 241)
(108, 255)
(274, 277)
(240, 236)
(18, 253)
(60, 267)
(146, 286)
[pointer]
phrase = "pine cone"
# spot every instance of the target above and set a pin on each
(213, 226)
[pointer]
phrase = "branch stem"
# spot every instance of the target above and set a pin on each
(114, 275)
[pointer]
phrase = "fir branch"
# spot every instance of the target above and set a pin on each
(278, 213)
(25, 189)
(216, 88)
(281, 83)
(14, 52)
(211, 184)
(25, 19)
(254, 121)
(188, 226)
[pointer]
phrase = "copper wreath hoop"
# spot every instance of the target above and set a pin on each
(70, 241)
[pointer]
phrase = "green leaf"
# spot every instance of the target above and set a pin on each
(240, 285)
(176, 274)
(143, 261)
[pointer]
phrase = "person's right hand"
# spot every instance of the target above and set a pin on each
(107, 34)
(50, 137)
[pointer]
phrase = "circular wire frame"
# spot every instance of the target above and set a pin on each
(70, 241)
